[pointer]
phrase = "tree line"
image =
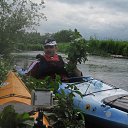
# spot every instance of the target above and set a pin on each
(34, 41)
(19, 16)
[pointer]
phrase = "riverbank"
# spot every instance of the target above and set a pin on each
(119, 56)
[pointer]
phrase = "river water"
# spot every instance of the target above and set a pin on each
(111, 70)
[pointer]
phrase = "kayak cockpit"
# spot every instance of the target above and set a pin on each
(118, 101)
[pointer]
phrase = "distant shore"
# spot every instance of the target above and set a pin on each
(119, 56)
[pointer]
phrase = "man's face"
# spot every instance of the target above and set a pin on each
(50, 49)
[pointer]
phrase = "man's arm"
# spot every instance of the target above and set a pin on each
(33, 69)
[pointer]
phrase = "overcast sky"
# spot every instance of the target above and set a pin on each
(104, 19)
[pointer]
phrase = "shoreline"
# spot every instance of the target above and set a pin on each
(119, 56)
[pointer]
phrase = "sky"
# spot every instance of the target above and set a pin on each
(103, 19)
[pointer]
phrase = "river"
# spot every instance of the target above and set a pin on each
(111, 70)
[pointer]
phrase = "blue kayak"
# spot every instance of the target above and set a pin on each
(104, 105)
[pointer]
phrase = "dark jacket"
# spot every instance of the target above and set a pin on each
(46, 67)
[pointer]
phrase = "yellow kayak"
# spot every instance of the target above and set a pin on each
(14, 90)
(44, 119)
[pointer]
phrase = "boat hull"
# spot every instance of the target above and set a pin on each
(92, 104)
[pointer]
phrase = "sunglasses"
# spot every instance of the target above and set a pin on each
(48, 46)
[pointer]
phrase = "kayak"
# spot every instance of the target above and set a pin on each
(40, 117)
(40, 121)
(14, 92)
(103, 104)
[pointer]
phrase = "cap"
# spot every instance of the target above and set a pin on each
(50, 42)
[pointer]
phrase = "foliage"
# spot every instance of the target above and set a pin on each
(65, 113)
(62, 47)
(17, 16)
(102, 47)
(63, 36)
(46, 83)
(28, 47)
(4, 68)
(33, 41)
(67, 116)
(29, 41)
(6, 120)
(77, 51)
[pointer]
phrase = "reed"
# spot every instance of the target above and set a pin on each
(108, 47)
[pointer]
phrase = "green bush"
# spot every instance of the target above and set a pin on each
(4, 68)
(10, 119)
(102, 47)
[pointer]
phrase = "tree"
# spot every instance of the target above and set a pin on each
(9, 118)
(63, 36)
(17, 16)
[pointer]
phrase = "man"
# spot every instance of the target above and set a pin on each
(48, 64)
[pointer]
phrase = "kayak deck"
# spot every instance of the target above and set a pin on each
(117, 101)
